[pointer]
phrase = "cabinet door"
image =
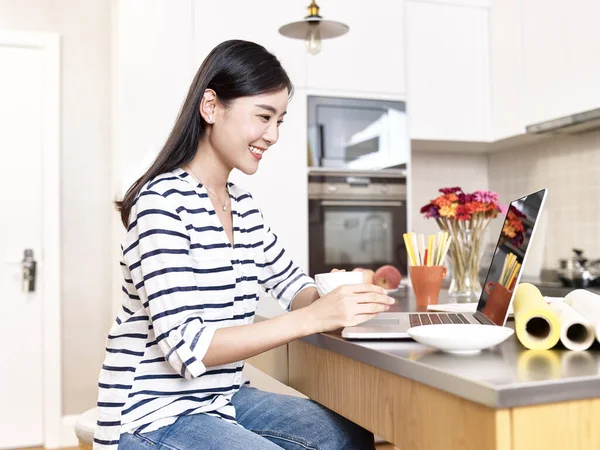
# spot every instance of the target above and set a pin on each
(367, 59)
(218, 21)
(506, 62)
(561, 58)
(447, 72)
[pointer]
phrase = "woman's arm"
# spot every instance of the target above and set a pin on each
(305, 297)
(345, 306)
(244, 341)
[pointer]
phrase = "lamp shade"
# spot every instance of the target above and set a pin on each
(327, 28)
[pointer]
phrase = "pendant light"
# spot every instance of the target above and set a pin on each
(314, 29)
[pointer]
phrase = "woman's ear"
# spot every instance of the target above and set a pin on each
(208, 106)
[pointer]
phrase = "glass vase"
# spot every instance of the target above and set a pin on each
(465, 256)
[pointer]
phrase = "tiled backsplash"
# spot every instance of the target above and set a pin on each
(434, 170)
(569, 166)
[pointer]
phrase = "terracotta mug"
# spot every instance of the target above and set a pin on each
(427, 282)
(497, 302)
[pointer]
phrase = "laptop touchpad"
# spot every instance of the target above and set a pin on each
(380, 322)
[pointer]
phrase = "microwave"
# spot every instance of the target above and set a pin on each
(357, 134)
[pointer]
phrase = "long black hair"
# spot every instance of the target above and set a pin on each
(232, 69)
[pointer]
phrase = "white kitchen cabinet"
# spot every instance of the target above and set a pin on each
(215, 22)
(561, 58)
(369, 59)
(447, 71)
(506, 68)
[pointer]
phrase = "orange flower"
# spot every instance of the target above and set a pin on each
(448, 210)
(478, 207)
(445, 200)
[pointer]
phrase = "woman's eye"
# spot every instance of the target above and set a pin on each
(279, 122)
(265, 117)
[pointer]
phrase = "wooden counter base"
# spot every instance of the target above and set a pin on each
(414, 416)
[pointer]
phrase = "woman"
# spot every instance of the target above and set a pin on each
(195, 254)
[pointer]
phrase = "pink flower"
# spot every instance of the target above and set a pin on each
(486, 196)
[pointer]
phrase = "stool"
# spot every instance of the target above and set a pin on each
(85, 427)
(86, 422)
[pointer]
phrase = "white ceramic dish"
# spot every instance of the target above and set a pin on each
(463, 339)
(327, 282)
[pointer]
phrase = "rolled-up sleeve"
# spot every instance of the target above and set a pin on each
(157, 253)
(278, 274)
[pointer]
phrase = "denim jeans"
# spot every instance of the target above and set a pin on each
(268, 422)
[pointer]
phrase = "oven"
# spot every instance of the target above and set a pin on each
(356, 219)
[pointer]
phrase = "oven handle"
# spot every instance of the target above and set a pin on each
(360, 203)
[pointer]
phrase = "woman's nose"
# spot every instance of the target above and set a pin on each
(271, 134)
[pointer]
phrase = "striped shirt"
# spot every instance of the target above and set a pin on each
(182, 281)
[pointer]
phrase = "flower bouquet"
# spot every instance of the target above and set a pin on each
(465, 217)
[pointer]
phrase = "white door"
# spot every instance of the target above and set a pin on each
(21, 324)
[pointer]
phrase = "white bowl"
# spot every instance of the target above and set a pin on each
(327, 282)
(460, 338)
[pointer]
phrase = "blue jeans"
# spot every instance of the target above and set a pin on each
(269, 422)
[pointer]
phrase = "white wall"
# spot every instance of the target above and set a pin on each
(85, 216)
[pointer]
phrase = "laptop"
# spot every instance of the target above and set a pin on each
(498, 289)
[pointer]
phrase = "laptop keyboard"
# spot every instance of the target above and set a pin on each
(432, 319)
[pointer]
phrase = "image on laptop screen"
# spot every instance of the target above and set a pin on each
(509, 255)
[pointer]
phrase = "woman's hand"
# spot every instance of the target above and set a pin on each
(349, 305)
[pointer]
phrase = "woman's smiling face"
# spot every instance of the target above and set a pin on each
(247, 128)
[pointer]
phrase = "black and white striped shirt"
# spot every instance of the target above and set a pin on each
(182, 281)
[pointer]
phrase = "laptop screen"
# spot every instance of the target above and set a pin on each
(509, 256)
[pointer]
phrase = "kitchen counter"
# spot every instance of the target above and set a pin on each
(508, 375)
(418, 398)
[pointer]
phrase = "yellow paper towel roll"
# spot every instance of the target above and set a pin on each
(536, 324)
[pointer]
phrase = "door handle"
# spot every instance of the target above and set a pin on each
(29, 266)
